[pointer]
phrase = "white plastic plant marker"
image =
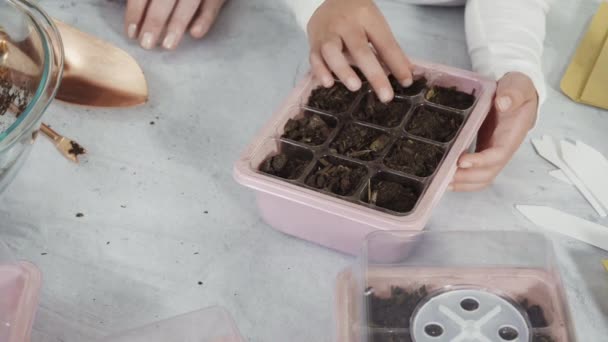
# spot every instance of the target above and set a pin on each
(566, 224)
(559, 175)
(590, 166)
(548, 150)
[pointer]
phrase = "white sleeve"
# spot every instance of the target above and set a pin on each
(303, 10)
(505, 36)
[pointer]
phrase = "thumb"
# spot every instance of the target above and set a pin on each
(513, 90)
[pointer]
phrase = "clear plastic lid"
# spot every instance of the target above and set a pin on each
(19, 288)
(449, 286)
(208, 325)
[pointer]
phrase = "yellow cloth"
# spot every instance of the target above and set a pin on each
(586, 80)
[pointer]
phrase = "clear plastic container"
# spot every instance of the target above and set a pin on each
(342, 222)
(453, 286)
(31, 66)
(19, 289)
(208, 325)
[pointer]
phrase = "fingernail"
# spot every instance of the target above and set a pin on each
(407, 82)
(197, 30)
(384, 95)
(146, 41)
(131, 31)
(169, 41)
(466, 165)
(353, 83)
(327, 81)
(503, 103)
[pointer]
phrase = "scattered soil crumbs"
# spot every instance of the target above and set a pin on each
(336, 177)
(76, 149)
(434, 125)
(360, 142)
(414, 157)
(313, 129)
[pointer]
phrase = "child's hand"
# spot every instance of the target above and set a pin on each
(341, 26)
(148, 20)
(501, 134)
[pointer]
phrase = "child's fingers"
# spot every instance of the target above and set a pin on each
(476, 175)
(156, 18)
(466, 187)
(320, 70)
(331, 50)
(358, 46)
(209, 11)
(180, 19)
(391, 53)
(491, 157)
(513, 90)
(133, 15)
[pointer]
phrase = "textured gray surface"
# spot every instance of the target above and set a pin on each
(185, 220)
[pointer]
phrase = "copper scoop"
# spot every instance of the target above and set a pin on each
(97, 73)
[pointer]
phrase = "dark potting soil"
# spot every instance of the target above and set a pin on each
(372, 110)
(360, 142)
(535, 314)
(396, 310)
(76, 149)
(412, 90)
(313, 129)
(414, 157)
(336, 99)
(450, 97)
(284, 166)
(433, 124)
(336, 177)
(391, 195)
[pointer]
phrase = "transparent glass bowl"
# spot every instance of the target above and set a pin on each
(31, 66)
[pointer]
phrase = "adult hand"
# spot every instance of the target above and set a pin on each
(149, 21)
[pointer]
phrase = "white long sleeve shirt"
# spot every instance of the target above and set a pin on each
(502, 35)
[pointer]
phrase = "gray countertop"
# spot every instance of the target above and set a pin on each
(162, 212)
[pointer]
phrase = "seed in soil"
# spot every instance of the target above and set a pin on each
(450, 97)
(433, 124)
(338, 177)
(396, 310)
(390, 195)
(284, 166)
(372, 110)
(412, 90)
(414, 157)
(336, 99)
(311, 129)
(360, 142)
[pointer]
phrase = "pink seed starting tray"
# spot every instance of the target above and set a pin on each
(342, 222)
(20, 284)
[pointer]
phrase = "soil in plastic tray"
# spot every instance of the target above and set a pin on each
(450, 97)
(395, 312)
(312, 128)
(414, 157)
(412, 90)
(284, 166)
(433, 124)
(337, 177)
(372, 110)
(393, 196)
(336, 99)
(360, 142)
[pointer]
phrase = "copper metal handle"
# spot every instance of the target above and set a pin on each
(50, 132)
